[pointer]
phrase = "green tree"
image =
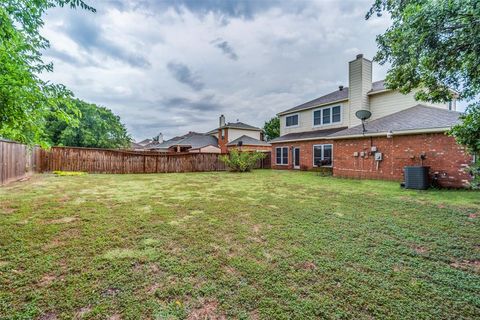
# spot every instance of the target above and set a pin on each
(431, 45)
(434, 47)
(25, 99)
(97, 127)
(467, 133)
(272, 128)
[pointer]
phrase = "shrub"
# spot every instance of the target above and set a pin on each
(238, 161)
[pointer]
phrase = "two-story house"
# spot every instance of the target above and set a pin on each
(399, 132)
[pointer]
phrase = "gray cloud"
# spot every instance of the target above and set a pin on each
(131, 55)
(204, 104)
(183, 74)
(226, 48)
(87, 33)
(245, 9)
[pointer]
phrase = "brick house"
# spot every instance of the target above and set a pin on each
(401, 132)
(239, 135)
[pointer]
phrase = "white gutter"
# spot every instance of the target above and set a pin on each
(374, 134)
(311, 107)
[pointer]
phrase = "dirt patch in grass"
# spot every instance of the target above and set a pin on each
(467, 265)
(420, 249)
(48, 279)
(63, 220)
(48, 316)
(115, 317)
(82, 312)
(307, 265)
(208, 310)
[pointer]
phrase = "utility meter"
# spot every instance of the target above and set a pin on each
(378, 156)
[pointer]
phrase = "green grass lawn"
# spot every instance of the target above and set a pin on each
(261, 245)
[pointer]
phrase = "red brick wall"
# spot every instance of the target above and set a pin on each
(306, 153)
(222, 143)
(443, 155)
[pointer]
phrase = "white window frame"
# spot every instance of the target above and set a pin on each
(292, 115)
(331, 116)
(281, 156)
(323, 147)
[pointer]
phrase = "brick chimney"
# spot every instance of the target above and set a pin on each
(221, 121)
(359, 83)
(222, 135)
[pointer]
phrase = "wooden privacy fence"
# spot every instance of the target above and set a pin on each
(17, 161)
(124, 161)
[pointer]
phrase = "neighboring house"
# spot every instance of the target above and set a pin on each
(400, 132)
(191, 142)
(233, 135)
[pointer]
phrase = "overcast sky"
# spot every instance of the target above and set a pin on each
(175, 66)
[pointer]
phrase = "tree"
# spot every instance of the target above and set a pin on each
(97, 127)
(272, 128)
(467, 133)
(25, 99)
(434, 47)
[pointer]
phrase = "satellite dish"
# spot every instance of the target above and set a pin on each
(363, 114)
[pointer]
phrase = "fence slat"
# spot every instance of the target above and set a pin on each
(17, 161)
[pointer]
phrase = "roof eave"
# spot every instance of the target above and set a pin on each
(374, 134)
(394, 133)
(313, 107)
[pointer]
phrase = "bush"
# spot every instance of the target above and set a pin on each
(237, 161)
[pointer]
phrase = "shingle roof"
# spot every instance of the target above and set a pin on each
(419, 117)
(338, 95)
(307, 135)
(248, 141)
(193, 139)
(240, 125)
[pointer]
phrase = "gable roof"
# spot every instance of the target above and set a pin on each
(248, 141)
(416, 118)
(236, 125)
(191, 139)
(335, 96)
(307, 135)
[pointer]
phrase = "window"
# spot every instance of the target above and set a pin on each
(322, 155)
(281, 155)
(291, 121)
(328, 115)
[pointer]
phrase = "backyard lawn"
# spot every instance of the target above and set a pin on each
(262, 245)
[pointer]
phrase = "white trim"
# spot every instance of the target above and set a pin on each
(376, 134)
(323, 147)
(331, 116)
(281, 156)
(292, 115)
(293, 158)
(311, 107)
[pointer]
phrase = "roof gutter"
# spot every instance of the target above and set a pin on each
(375, 134)
(312, 107)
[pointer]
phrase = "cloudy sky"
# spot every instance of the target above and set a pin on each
(175, 66)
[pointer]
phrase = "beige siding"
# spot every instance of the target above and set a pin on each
(209, 149)
(383, 104)
(360, 82)
(305, 120)
(237, 133)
